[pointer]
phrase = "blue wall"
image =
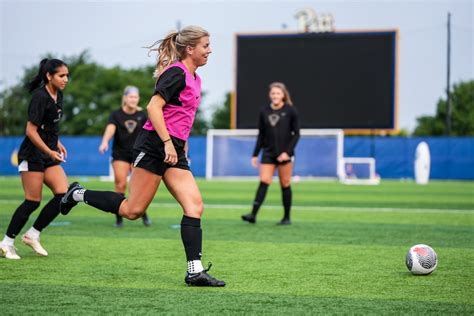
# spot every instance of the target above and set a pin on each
(451, 158)
(84, 157)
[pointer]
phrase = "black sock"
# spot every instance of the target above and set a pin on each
(119, 218)
(286, 196)
(259, 197)
(191, 234)
(48, 213)
(104, 200)
(20, 217)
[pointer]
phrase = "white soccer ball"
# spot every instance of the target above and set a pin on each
(421, 259)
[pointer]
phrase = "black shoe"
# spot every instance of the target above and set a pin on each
(285, 221)
(202, 279)
(249, 218)
(118, 224)
(146, 220)
(67, 202)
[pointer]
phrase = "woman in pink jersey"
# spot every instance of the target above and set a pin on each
(160, 149)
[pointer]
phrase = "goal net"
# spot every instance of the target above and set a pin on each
(360, 170)
(319, 153)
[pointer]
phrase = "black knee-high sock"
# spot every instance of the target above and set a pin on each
(20, 217)
(191, 234)
(104, 200)
(119, 218)
(48, 213)
(259, 197)
(286, 196)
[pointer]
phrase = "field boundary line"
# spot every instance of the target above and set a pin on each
(318, 208)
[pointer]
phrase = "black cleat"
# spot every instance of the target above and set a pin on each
(249, 218)
(285, 221)
(67, 202)
(203, 279)
(146, 220)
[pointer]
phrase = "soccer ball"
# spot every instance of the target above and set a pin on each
(421, 259)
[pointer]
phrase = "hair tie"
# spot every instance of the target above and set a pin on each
(129, 90)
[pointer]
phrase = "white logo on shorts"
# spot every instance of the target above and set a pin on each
(139, 157)
(23, 166)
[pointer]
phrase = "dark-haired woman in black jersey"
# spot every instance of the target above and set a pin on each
(278, 135)
(40, 156)
(124, 126)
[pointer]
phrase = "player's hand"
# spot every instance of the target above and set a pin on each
(62, 150)
(170, 154)
(254, 162)
(103, 147)
(283, 157)
(56, 156)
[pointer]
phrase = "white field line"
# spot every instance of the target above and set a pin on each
(316, 208)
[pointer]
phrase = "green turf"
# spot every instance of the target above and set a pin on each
(344, 254)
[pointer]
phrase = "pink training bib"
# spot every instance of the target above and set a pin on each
(179, 118)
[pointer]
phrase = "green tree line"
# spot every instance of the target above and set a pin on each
(93, 92)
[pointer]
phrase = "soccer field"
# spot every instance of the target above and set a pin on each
(344, 253)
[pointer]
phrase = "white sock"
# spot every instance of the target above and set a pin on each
(78, 195)
(195, 266)
(33, 233)
(7, 241)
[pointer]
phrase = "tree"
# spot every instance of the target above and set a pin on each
(93, 93)
(221, 115)
(462, 118)
(200, 125)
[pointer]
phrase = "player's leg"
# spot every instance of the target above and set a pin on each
(184, 189)
(266, 175)
(142, 189)
(121, 171)
(284, 172)
(146, 220)
(56, 180)
(32, 182)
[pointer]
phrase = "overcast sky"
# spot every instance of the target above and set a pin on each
(115, 31)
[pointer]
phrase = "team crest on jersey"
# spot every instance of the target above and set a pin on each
(130, 125)
(273, 118)
(58, 118)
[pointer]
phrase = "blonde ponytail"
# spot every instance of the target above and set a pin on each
(172, 48)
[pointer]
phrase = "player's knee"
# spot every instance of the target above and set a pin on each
(195, 209)
(133, 213)
(285, 182)
(120, 186)
(266, 180)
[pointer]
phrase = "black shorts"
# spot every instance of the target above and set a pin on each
(36, 166)
(122, 156)
(149, 153)
(271, 159)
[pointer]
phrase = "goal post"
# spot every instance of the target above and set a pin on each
(360, 171)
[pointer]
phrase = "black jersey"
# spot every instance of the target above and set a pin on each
(127, 129)
(45, 113)
(278, 131)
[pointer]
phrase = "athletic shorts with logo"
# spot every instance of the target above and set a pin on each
(149, 153)
(36, 166)
(269, 158)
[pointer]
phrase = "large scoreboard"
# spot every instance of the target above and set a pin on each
(342, 80)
